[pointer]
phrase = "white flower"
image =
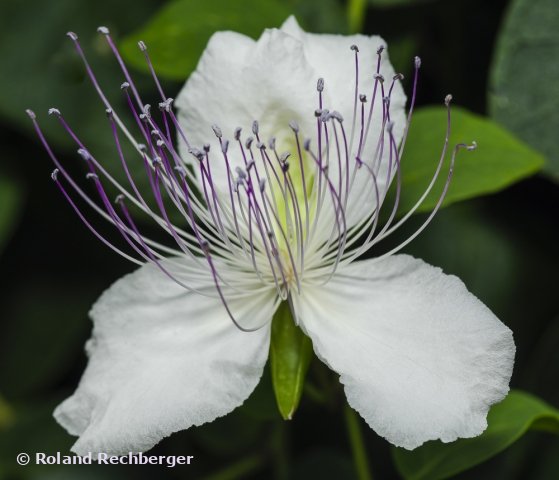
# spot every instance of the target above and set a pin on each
(184, 339)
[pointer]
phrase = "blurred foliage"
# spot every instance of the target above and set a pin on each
(524, 90)
(504, 245)
(48, 328)
(396, 3)
(499, 160)
(507, 422)
(320, 16)
(356, 15)
(52, 73)
(468, 242)
(178, 34)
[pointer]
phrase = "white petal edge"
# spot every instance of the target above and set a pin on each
(161, 360)
(420, 357)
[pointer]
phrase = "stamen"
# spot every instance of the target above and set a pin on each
(217, 131)
(256, 222)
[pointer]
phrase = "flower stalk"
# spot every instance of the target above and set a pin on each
(358, 449)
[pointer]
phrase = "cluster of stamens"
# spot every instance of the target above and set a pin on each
(281, 219)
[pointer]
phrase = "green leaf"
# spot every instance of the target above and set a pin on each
(290, 356)
(524, 92)
(178, 34)
(10, 201)
(508, 421)
(499, 160)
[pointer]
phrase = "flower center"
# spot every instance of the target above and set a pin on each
(278, 217)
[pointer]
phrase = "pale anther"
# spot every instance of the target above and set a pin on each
(217, 131)
(224, 146)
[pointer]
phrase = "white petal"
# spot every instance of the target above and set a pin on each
(420, 357)
(238, 81)
(273, 80)
(331, 58)
(162, 360)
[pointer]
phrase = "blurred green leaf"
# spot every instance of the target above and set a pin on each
(508, 421)
(499, 160)
(320, 16)
(10, 201)
(524, 93)
(41, 68)
(178, 34)
(290, 356)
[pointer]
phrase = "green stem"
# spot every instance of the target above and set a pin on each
(357, 444)
(279, 451)
(356, 15)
